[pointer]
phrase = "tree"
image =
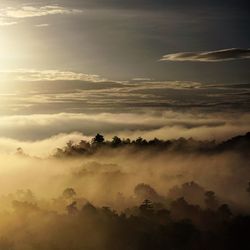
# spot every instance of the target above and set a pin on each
(145, 191)
(146, 207)
(210, 200)
(20, 152)
(224, 212)
(69, 193)
(140, 141)
(98, 139)
(116, 141)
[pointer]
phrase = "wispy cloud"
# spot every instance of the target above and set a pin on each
(42, 25)
(30, 11)
(10, 15)
(209, 56)
(141, 79)
(5, 22)
(53, 91)
(32, 75)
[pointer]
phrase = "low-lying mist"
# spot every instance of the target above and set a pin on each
(43, 199)
(99, 178)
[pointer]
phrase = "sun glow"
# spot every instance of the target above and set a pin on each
(14, 48)
(6, 48)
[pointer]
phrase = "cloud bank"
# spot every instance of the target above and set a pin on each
(40, 134)
(209, 56)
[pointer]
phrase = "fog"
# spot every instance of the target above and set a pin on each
(45, 202)
(100, 177)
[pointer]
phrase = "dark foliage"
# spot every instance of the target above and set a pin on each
(180, 226)
(239, 144)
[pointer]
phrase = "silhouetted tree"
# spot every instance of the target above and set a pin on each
(181, 209)
(210, 200)
(240, 144)
(69, 193)
(224, 212)
(145, 227)
(146, 207)
(116, 141)
(190, 191)
(126, 141)
(145, 191)
(98, 139)
(140, 141)
(20, 152)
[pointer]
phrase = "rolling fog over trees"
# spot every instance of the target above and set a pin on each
(124, 125)
(128, 194)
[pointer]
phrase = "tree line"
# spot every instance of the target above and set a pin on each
(240, 144)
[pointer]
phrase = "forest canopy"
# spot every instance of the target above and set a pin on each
(128, 194)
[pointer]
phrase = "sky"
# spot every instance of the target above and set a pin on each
(137, 67)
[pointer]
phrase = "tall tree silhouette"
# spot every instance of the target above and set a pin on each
(98, 139)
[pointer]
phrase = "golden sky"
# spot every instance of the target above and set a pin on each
(177, 66)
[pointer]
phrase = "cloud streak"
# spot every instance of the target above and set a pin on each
(33, 75)
(31, 11)
(54, 91)
(4, 22)
(42, 25)
(209, 56)
(10, 15)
